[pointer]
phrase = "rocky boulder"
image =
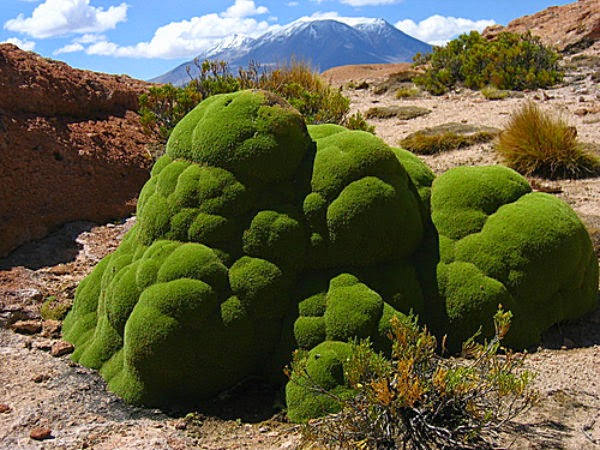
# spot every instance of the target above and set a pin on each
(570, 27)
(71, 146)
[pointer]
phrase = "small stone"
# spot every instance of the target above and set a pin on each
(181, 424)
(582, 99)
(42, 344)
(30, 295)
(61, 348)
(60, 269)
(27, 326)
(40, 378)
(40, 433)
(263, 429)
(581, 112)
(4, 408)
(51, 328)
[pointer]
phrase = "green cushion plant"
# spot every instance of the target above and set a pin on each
(257, 235)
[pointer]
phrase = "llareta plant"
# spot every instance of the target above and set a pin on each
(415, 399)
(257, 235)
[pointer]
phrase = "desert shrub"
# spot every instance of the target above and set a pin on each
(535, 142)
(356, 121)
(445, 137)
(511, 61)
(408, 91)
(398, 112)
(493, 93)
(162, 107)
(214, 77)
(416, 399)
(53, 309)
(303, 88)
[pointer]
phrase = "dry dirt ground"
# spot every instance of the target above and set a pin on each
(39, 390)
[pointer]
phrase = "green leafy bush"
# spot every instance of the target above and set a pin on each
(414, 399)
(511, 61)
(535, 142)
(357, 121)
(214, 77)
(164, 106)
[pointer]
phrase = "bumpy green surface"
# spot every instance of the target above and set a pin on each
(325, 367)
(257, 236)
(502, 244)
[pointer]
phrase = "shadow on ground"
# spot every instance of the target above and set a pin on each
(582, 332)
(59, 247)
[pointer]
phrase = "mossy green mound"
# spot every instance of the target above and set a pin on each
(502, 244)
(256, 236)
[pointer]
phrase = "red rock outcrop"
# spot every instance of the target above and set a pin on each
(71, 146)
(568, 27)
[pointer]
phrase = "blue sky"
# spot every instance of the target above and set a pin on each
(145, 38)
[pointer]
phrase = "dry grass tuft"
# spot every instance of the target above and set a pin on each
(535, 142)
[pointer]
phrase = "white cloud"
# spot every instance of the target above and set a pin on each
(23, 45)
(69, 48)
(187, 38)
(77, 44)
(61, 17)
(184, 39)
(438, 30)
(369, 2)
(244, 8)
(90, 38)
(292, 4)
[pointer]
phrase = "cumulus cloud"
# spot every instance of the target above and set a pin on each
(61, 17)
(369, 2)
(244, 8)
(78, 44)
(186, 38)
(438, 30)
(23, 45)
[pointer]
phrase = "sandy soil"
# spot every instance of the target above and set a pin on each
(40, 390)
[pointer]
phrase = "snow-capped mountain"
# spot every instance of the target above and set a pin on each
(324, 43)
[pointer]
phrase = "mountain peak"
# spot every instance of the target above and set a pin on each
(321, 41)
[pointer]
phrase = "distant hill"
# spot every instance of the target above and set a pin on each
(322, 43)
(568, 28)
